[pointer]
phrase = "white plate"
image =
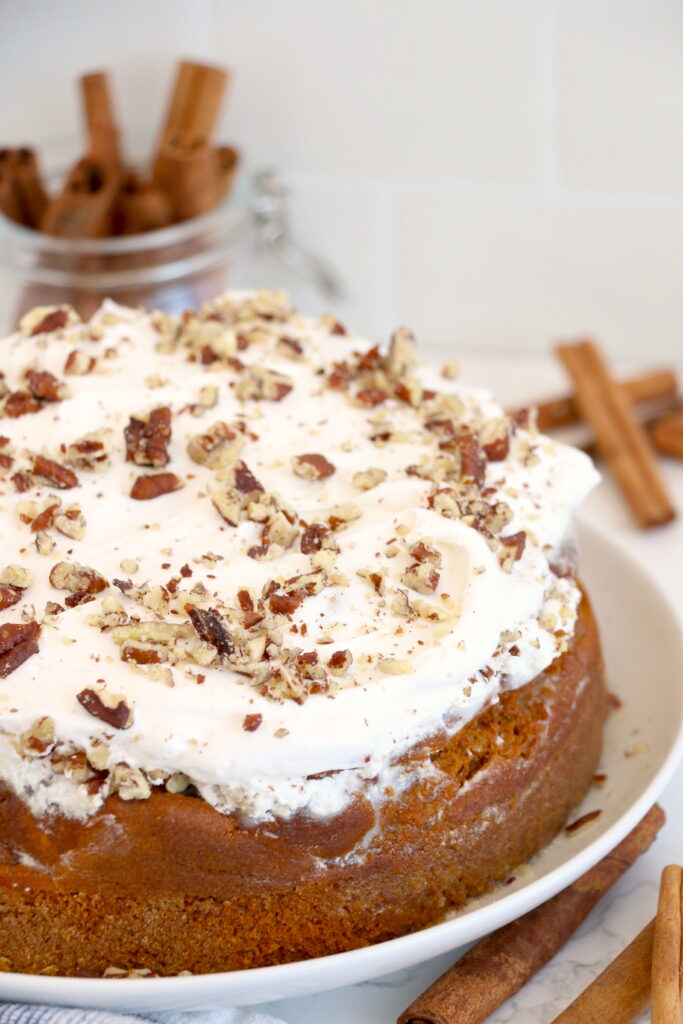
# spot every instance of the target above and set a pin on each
(643, 646)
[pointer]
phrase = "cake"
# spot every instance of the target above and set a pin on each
(293, 654)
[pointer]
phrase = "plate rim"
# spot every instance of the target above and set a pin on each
(300, 975)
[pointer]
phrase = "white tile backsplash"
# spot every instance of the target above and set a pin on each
(499, 271)
(391, 88)
(620, 94)
(499, 172)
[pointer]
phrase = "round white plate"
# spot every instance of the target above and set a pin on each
(643, 645)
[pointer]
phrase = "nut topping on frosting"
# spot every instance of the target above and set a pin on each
(108, 707)
(357, 541)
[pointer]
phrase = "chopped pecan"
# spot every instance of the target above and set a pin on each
(494, 438)
(90, 452)
(260, 383)
(514, 545)
(56, 474)
(251, 613)
(340, 515)
(16, 576)
(401, 357)
(472, 464)
(375, 579)
(250, 723)
(290, 348)
(20, 403)
(111, 708)
(45, 319)
(39, 739)
(45, 386)
(340, 662)
(286, 604)
(153, 485)
(71, 522)
(245, 481)
(422, 577)
(315, 537)
(78, 363)
(143, 654)
(370, 360)
(312, 466)
(147, 438)
(218, 447)
(339, 377)
(45, 519)
(18, 641)
(211, 628)
(9, 595)
(371, 396)
(422, 552)
(81, 582)
(369, 478)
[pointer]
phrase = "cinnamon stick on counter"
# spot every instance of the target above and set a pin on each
(667, 1006)
(622, 992)
(563, 412)
(667, 434)
(502, 963)
(29, 187)
(619, 436)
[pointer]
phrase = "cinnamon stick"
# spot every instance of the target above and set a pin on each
(667, 434)
(140, 206)
(502, 963)
(667, 1007)
(621, 993)
(83, 209)
(9, 196)
(227, 160)
(195, 104)
(620, 438)
(23, 166)
(564, 411)
(188, 175)
(103, 134)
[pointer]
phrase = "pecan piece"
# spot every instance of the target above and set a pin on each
(9, 595)
(18, 641)
(110, 708)
(245, 481)
(56, 474)
(494, 438)
(47, 319)
(422, 552)
(90, 452)
(366, 479)
(260, 383)
(371, 396)
(152, 485)
(45, 386)
(472, 463)
(210, 628)
(78, 363)
(218, 447)
(147, 438)
(286, 604)
(422, 577)
(81, 582)
(514, 545)
(340, 662)
(250, 723)
(312, 466)
(315, 537)
(20, 403)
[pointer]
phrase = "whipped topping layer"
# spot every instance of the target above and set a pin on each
(252, 553)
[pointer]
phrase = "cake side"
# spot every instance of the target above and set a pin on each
(233, 897)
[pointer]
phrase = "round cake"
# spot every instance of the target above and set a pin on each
(293, 656)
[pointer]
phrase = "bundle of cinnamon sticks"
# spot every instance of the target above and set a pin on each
(102, 196)
(627, 443)
(647, 972)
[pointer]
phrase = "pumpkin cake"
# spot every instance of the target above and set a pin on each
(293, 657)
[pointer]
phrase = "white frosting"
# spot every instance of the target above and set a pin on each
(196, 728)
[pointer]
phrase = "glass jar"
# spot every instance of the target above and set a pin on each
(173, 268)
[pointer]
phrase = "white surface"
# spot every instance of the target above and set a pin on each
(633, 901)
(398, 118)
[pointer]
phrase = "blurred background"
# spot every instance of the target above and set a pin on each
(496, 173)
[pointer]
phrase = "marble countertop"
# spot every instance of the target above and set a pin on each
(633, 901)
